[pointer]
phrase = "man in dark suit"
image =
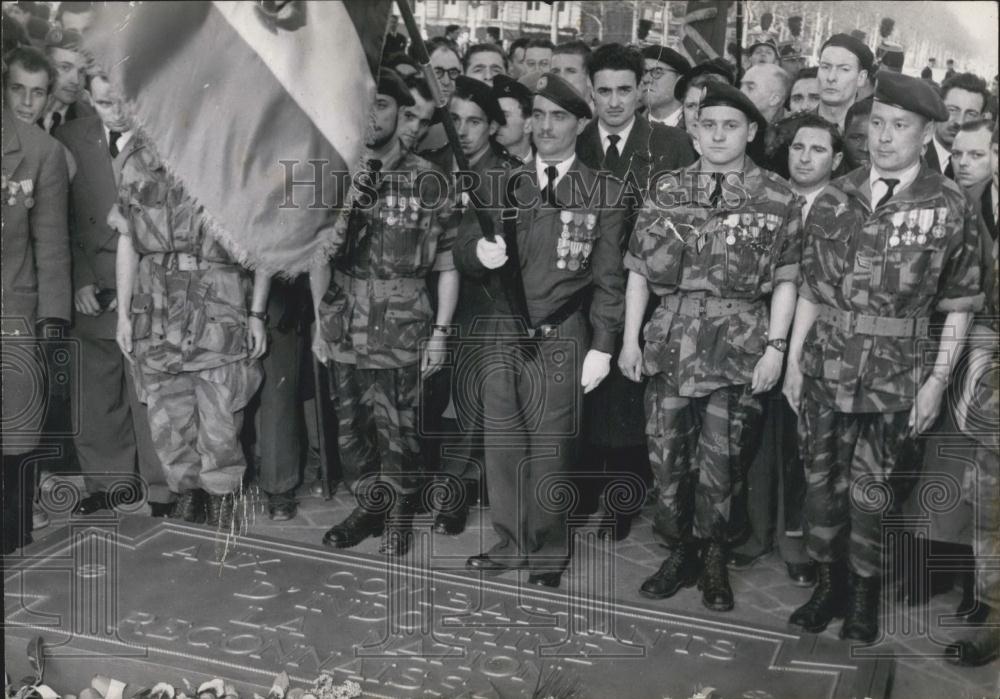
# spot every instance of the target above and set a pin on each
(112, 426)
(565, 249)
(65, 103)
(964, 96)
(632, 149)
(36, 295)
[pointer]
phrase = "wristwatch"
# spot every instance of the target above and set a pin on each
(259, 315)
(778, 344)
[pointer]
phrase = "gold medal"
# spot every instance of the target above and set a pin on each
(561, 263)
(29, 202)
(574, 264)
(940, 220)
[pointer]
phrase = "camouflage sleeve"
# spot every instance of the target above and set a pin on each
(807, 266)
(635, 256)
(959, 288)
(607, 307)
(788, 252)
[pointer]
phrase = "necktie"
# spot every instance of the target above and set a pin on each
(612, 156)
(56, 120)
(949, 171)
(549, 193)
(891, 184)
(113, 137)
(715, 199)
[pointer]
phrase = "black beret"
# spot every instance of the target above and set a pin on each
(506, 86)
(480, 93)
(391, 83)
(716, 66)
(890, 55)
(667, 55)
(855, 46)
(763, 41)
(912, 94)
(552, 87)
(719, 94)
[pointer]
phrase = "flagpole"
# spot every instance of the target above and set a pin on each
(739, 40)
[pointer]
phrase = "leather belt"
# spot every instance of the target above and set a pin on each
(707, 306)
(186, 262)
(380, 288)
(850, 323)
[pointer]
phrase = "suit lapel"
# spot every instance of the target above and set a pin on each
(589, 146)
(12, 153)
(637, 147)
(930, 157)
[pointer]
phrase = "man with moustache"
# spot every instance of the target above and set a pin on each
(884, 247)
(804, 95)
(964, 96)
(714, 344)
(568, 249)
(844, 65)
(70, 66)
(373, 311)
(632, 149)
(662, 68)
(113, 434)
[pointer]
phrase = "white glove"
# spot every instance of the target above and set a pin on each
(492, 255)
(596, 366)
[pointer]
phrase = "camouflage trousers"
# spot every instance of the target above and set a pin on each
(986, 524)
(697, 450)
(849, 460)
(195, 418)
(377, 424)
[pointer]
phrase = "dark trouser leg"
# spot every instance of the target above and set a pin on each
(105, 441)
(18, 493)
(150, 467)
(789, 531)
(278, 417)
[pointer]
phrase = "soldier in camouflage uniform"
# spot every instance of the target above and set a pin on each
(371, 321)
(186, 324)
(712, 255)
(883, 248)
(977, 416)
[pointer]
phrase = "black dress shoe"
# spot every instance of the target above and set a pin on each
(545, 579)
(482, 563)
(802, 574)
(358, 526)
(744, 561)
(861, 617)
(679, 570)
(980, 647)
(95, 502)
(189, 506)
(282, 507)
(397, 534)
(716, 593)
(827, 601)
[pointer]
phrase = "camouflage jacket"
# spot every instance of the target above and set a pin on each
(918, 253)
(377, 308)
(190, 300)
(685, 248)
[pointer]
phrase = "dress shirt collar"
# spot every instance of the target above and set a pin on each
(604, 133)
(561, 170)
(905, 178)
(123, 139)
(943, 153)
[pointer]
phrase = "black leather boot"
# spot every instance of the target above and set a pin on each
(189, 506)
(679, 570)
(861, 617)
(358, 526)
(716, 594)
(397, 536)
(827, 601)
(221, 512)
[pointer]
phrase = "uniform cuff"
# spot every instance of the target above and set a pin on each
(786, 273)
(603, 341)
(964, 304)
(634, 264)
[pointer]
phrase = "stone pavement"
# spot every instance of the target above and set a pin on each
(764, 595)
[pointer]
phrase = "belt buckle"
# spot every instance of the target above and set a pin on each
(547, 331)
(186, 262)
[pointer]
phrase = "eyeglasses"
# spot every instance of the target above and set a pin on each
(452, 73)
(658, 72)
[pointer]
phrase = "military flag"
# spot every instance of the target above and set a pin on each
(705, 29)
(242, 98)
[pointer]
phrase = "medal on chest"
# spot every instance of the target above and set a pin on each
(898, 219)
(925, 221)
(941, 218)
